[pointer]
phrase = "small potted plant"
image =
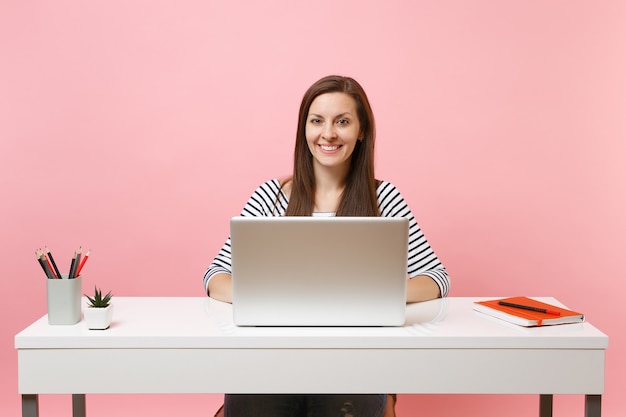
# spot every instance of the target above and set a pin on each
(99, 313)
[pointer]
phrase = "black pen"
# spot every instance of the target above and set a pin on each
(524, 307)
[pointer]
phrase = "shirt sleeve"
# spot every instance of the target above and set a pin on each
(422, 260)
(267, 200)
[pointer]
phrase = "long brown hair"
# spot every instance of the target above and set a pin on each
(359, 196)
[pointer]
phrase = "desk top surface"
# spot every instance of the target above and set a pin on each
(203, 323)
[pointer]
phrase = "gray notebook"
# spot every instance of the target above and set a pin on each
(319, 271)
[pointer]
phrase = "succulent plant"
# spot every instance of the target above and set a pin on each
(98, 301)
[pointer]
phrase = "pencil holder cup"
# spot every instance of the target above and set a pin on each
(64, 297)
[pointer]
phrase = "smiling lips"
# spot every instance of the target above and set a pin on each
(329, 148)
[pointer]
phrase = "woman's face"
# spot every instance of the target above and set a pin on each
(332, 129)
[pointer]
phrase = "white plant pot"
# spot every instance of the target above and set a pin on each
(98, 318)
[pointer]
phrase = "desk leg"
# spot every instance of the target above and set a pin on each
(30, 405)
(593, 405)
(545, 405)
(78, 405)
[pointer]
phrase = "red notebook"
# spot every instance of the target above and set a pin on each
(525, 312)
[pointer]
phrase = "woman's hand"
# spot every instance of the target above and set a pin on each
(421, 288)
(221, 287)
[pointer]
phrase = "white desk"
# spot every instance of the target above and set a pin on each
(190, 345)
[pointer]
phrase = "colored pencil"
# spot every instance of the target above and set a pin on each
(82, 263)
(44, 265)
(52, 264)
(72, 266)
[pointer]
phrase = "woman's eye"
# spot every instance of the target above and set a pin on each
(315, 121)
(343, 121)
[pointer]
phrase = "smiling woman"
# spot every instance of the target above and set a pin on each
(333, 174)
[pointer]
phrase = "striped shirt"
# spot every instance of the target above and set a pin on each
(421, 258)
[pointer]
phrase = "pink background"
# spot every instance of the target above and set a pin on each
(137, 128)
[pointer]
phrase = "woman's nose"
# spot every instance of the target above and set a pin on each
(329, 131)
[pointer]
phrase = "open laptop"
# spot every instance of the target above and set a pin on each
(319, 271)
